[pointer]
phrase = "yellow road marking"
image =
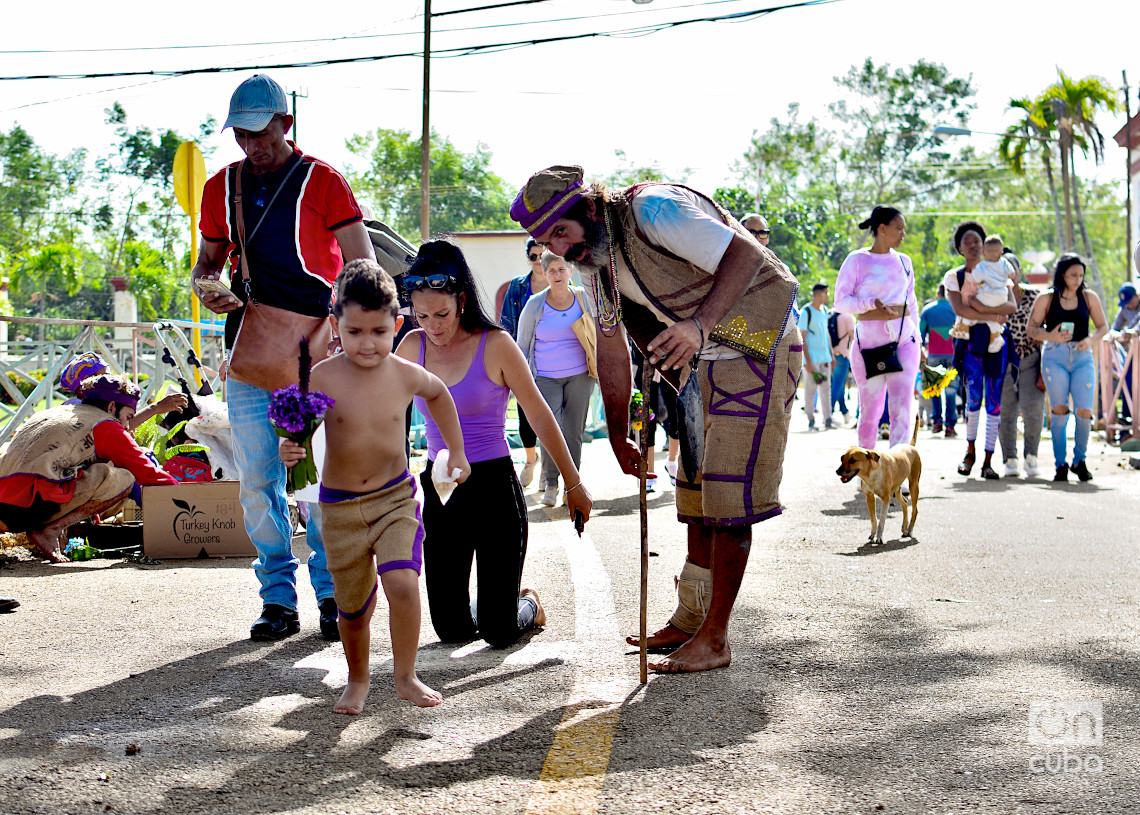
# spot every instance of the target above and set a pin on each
(575, 768)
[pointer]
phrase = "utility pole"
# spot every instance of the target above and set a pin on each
(295, 94)
(1127, 176)
(425, 139)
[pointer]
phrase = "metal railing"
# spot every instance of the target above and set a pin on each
(161, 350)
(1119, 377)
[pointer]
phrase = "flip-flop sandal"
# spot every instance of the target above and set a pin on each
(967, 465)
(988, 472)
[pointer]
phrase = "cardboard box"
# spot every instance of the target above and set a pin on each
(194, 519)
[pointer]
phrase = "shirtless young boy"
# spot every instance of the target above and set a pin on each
(371, 519)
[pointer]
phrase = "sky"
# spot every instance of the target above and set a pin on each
(686, 100)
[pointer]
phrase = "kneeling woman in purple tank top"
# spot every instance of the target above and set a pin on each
(486, 516)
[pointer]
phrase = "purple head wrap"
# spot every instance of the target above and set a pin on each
(547, 196)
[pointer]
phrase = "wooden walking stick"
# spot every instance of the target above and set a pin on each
(643, 437)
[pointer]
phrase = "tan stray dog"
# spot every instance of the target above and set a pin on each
(883, 475)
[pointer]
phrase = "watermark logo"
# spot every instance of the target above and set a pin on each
(1072, 724)
(1066, 725)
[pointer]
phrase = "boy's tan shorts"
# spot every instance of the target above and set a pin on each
(367, 534)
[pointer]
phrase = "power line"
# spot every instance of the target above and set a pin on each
(442, 53)
(351, 37)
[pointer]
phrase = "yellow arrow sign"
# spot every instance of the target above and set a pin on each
(189, 177)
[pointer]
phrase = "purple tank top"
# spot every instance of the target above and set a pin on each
(482, 408)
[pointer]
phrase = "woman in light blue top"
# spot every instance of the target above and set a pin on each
(557, 334)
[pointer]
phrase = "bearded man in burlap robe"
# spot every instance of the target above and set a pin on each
(684, 279)
(68, 463)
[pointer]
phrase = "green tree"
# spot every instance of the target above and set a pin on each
(139, 220)
(817, 179)
(1032, 135)
(1075, 104)
(627, 173)
(465, 194)
(43, 244)
(888, 126)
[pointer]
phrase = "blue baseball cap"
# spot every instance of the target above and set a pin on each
(1126, 293)
(254, 104)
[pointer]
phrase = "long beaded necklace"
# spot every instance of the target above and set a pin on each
(609, 303)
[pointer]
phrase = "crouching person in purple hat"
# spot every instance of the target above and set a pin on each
(698, 295)
(74, 461)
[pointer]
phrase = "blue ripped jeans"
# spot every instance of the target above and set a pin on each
(1069, 373)
(264, 504)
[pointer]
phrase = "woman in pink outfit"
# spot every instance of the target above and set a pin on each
(876, 284)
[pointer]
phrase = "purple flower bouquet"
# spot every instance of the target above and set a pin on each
(295, 413)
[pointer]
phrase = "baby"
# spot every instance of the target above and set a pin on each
(371, 518)
(989, 283)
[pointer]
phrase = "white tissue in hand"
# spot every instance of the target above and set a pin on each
(445, 478)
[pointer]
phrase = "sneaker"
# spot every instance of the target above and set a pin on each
(1011, 468)
(884, 431)
(828, 424)
(1062, 473)
(671, 471)
(527, 474)
(1081, 471)
(811, 426)
(951, 433)
(1031, 470)
(550, 495)
(651, 485)
(937, 428)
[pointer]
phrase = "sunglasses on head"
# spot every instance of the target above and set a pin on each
(533, 258)
(759, 232)
(432, 281)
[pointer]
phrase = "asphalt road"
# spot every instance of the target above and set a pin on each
(910, 677)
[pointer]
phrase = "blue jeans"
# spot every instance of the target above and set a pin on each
(264, 504)
(839, 383)
(1069, 372)
(950, 393)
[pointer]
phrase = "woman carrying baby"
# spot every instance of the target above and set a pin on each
(982, 370)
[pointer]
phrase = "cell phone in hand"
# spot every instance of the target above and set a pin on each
(1066, 327)
(209, 284)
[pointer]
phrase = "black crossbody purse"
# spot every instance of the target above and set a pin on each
(884, 359)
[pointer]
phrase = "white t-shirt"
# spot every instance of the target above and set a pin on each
(994, 279)
(688, 226)
(950, 280)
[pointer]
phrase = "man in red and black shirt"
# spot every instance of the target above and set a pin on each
(302, 224)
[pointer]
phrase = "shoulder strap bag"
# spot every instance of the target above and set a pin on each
(884, 359)
(267, 345)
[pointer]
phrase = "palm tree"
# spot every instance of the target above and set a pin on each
(1034, 133)
(1075, 104)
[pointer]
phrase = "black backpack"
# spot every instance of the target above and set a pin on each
(833, 327)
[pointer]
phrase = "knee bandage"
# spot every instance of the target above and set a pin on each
(694, 588)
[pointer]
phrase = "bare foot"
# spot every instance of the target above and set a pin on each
(669, 637)
(694, 655)
(48, 544)
(352, 700)
(414, 691)
(540, 613)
